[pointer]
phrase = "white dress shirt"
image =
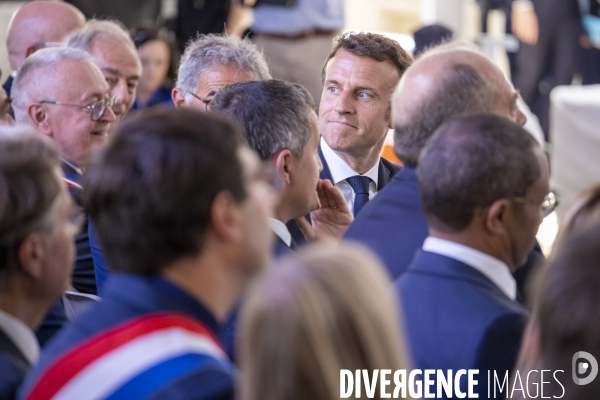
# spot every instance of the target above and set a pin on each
(281, 230)
(21, 336)
(493, 269)
(340, 171)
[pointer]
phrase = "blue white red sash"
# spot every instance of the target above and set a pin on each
(131, 360)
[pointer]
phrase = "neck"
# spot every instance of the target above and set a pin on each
(475, 240)
(22, 307)
(208, 279)
(363, 162)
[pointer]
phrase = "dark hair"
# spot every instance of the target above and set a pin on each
(151, 190)
(29, 187)
(273, 114)
(430, 36)
(146, 31)
(371, 45)
(568, 315)
(461, 91)
(471, 162)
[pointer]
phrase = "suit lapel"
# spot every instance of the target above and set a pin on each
(325, 173)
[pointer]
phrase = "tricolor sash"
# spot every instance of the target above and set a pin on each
(131, 361)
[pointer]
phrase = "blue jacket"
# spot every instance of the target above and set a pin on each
(13, 366)
(185, 374)
(456, 318)
(393, 224)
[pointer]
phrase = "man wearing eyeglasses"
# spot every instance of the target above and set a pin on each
(484, 208)
(211, 62)
(63, 94)
(444, 83)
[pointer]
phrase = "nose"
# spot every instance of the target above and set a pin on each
(123, 94)
(343, 104)
(521, 118)
(108, 116)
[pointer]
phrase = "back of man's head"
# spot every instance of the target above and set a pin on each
(445, 83)
(470, 163)
(38, 23)
(568, 316)
(150, 192)
(29, 189)
(213, 51)
(38, 78)
(273, 114)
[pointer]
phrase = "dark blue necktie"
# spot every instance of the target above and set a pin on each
(360, 185)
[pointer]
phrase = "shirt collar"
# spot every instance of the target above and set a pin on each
(340, 171)
(492, 268)
(14, 73)
(21, 336)
(281, 230)
(77, 169)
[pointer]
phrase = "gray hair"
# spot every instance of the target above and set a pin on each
(274, 115)
(83, 38)
(34, 76)
(208, 51)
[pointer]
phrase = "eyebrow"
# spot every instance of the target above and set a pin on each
(113, 71)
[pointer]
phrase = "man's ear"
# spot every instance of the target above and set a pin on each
(31, 49)
(226, 219)
(30, 255)
(40, 118)
(496, 217)
(283, 161)
(178, 97)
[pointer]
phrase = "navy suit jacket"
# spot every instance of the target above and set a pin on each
(456, 318)
(128, 297)
(7, 85)
(387, 170)
(13, 366)
(393, 226)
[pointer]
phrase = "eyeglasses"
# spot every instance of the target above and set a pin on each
(548, 205)
(205, 101)
(96, 110)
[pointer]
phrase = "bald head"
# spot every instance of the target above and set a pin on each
(445, 83)
(39, 22)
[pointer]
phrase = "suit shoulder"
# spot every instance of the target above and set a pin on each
(392, 167)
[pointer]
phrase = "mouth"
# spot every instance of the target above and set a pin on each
(100, 133)
(343, 124)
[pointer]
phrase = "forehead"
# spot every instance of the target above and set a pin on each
(79, 80)
(361, 71)
(218, 76)
(112, 54)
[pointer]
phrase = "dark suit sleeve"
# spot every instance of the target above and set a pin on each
(499, 349)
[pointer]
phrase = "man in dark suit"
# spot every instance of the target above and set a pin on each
(36, 246)
(181, 209)
(458, 296)
(55, 108)
(36, 25)
(359, 77)
(446, 82)
(279, 123)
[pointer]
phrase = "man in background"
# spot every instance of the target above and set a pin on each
(36, 25)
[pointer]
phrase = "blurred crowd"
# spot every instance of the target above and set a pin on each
(213, 219)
